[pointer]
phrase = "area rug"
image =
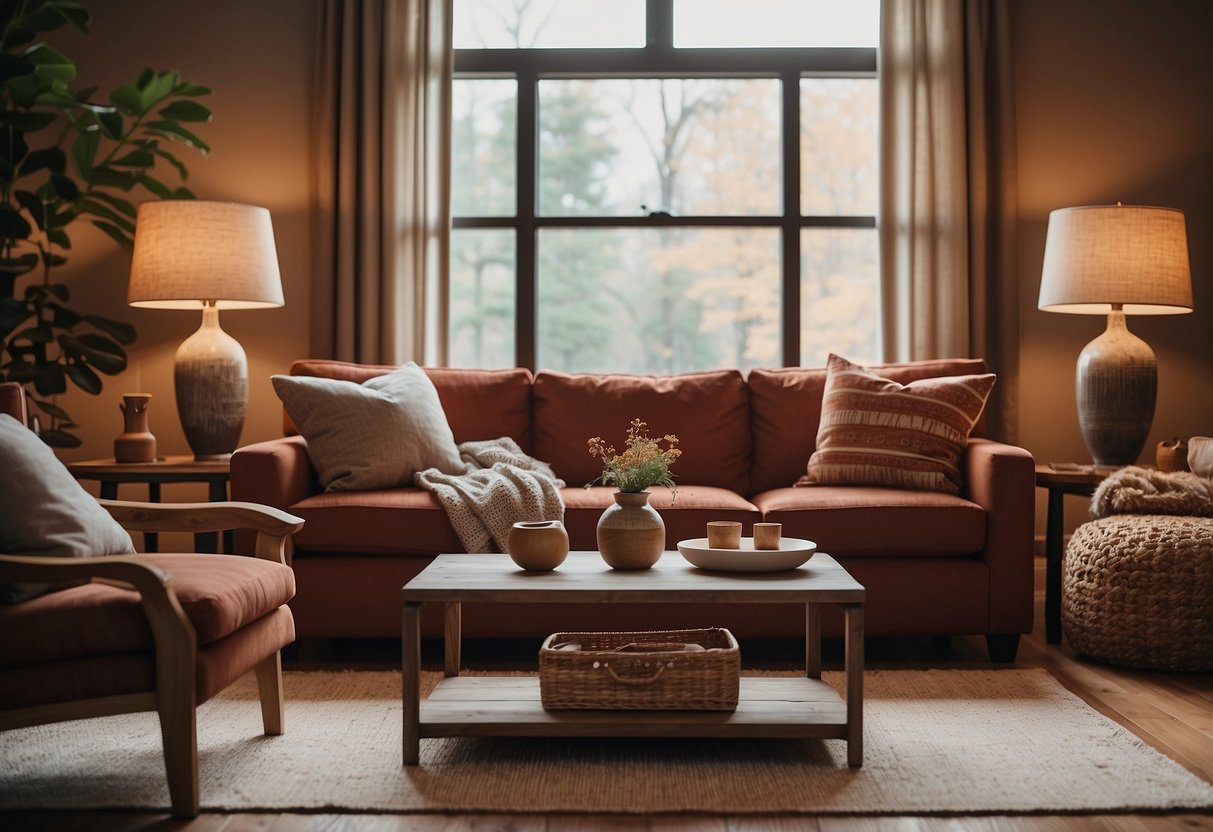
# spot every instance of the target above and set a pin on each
(935, 741)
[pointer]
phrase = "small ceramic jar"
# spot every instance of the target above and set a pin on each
(538, 545)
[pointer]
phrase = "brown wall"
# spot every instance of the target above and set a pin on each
(1113, 104)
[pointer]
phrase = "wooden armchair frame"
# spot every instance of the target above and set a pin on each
(174, 639)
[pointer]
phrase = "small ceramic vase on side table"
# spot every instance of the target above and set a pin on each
(136, 443)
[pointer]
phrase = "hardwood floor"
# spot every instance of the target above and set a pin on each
(1171, 712)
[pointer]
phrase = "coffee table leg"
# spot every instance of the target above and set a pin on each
(812, 641)
(854, 669)
(410, 663)
(452, 639)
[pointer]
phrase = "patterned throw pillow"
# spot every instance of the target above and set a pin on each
(878, 432)
(363, 437)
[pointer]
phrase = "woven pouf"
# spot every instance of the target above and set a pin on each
(1137, 591)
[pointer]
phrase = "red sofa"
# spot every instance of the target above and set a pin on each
(933, 563)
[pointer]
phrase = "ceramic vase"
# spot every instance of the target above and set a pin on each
(631, 534)
(136, 443)
(1171, 455)
(538, 545)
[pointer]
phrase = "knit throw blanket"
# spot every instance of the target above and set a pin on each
(501, 486)
(1136, 490)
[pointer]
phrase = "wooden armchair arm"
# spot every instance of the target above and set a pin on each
(120, 570)
(273, 526)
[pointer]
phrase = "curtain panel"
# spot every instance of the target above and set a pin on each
(382, 148)
(948, 201)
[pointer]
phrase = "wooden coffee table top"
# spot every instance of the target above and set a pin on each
(585, 577)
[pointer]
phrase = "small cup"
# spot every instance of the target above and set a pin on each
(724, 534)
(766, 535)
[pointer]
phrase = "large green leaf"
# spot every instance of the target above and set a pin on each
(110, 122)
(115, 233)
(182, 170)
(12, 66)
(101, 353)
(84, 152)
(60, 438)
(54, 13)
(65, 186)
(42, 334)
(107, 177)
(34, 206)
(89, 206)
(128, 100)
(173, 130)
(12, 225)
(135, 159)
(192, 90)
(13, 313)
(49, 378)
(186, 111)
(48, 158)
(27, 122)
(83, 377)
(120, 331)
(158, 87)
(62, 317)
(18, 265)
(123, 205)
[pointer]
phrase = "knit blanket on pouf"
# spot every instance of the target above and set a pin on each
(1136, 490)
(501, 486)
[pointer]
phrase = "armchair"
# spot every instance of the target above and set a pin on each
(152, 632)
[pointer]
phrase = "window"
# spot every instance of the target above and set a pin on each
(663, 185)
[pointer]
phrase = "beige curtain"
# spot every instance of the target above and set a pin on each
(948, 200)
(382, 185)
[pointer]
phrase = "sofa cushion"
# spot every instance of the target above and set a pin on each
(395, 521)
(479, 404)
(46, 512)
(219, 594)
(708, 412)
(377, 434)
(785, 408)
(878, 522)
(878, 432)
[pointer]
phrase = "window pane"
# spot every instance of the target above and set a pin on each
(838, 135)
(483, 121)
(548, 24)
(626, 147)
(658, 300)
(839, 295)
(482, 298)
(776, 23)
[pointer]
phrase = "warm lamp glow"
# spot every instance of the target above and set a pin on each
(208, 256)
(1116, 260)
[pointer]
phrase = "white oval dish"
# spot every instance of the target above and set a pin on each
(792, 552)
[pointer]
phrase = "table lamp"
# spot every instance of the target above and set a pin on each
(191, 254)
(1116, 260)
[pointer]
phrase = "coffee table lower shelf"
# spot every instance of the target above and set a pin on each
(504, 706)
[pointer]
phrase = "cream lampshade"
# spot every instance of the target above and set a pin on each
(192, 254)
(1116, 260)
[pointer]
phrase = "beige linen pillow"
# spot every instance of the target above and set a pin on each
(877, 432)
(373, 435)
(44, 511)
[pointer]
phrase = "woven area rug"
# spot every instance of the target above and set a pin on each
(939, 741)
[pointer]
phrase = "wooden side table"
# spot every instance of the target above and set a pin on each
(1081, 481)
(181, 468)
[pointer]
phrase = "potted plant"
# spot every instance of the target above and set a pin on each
(67, 156)
(630, 533)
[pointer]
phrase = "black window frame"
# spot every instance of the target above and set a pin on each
(659, 58)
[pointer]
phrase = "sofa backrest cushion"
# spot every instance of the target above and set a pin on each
(785, 412)
(708, 412)
(479, 404)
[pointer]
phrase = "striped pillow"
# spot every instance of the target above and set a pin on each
(878, 432)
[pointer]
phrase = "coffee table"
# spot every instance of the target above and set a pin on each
(510, 706)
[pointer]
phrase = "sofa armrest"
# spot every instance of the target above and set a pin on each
(1001, 479)
(275, 473)
(273, 526)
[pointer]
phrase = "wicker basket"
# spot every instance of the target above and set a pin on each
(640, 671)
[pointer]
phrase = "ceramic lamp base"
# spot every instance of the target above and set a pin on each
(1116, 385)
(210, 378)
